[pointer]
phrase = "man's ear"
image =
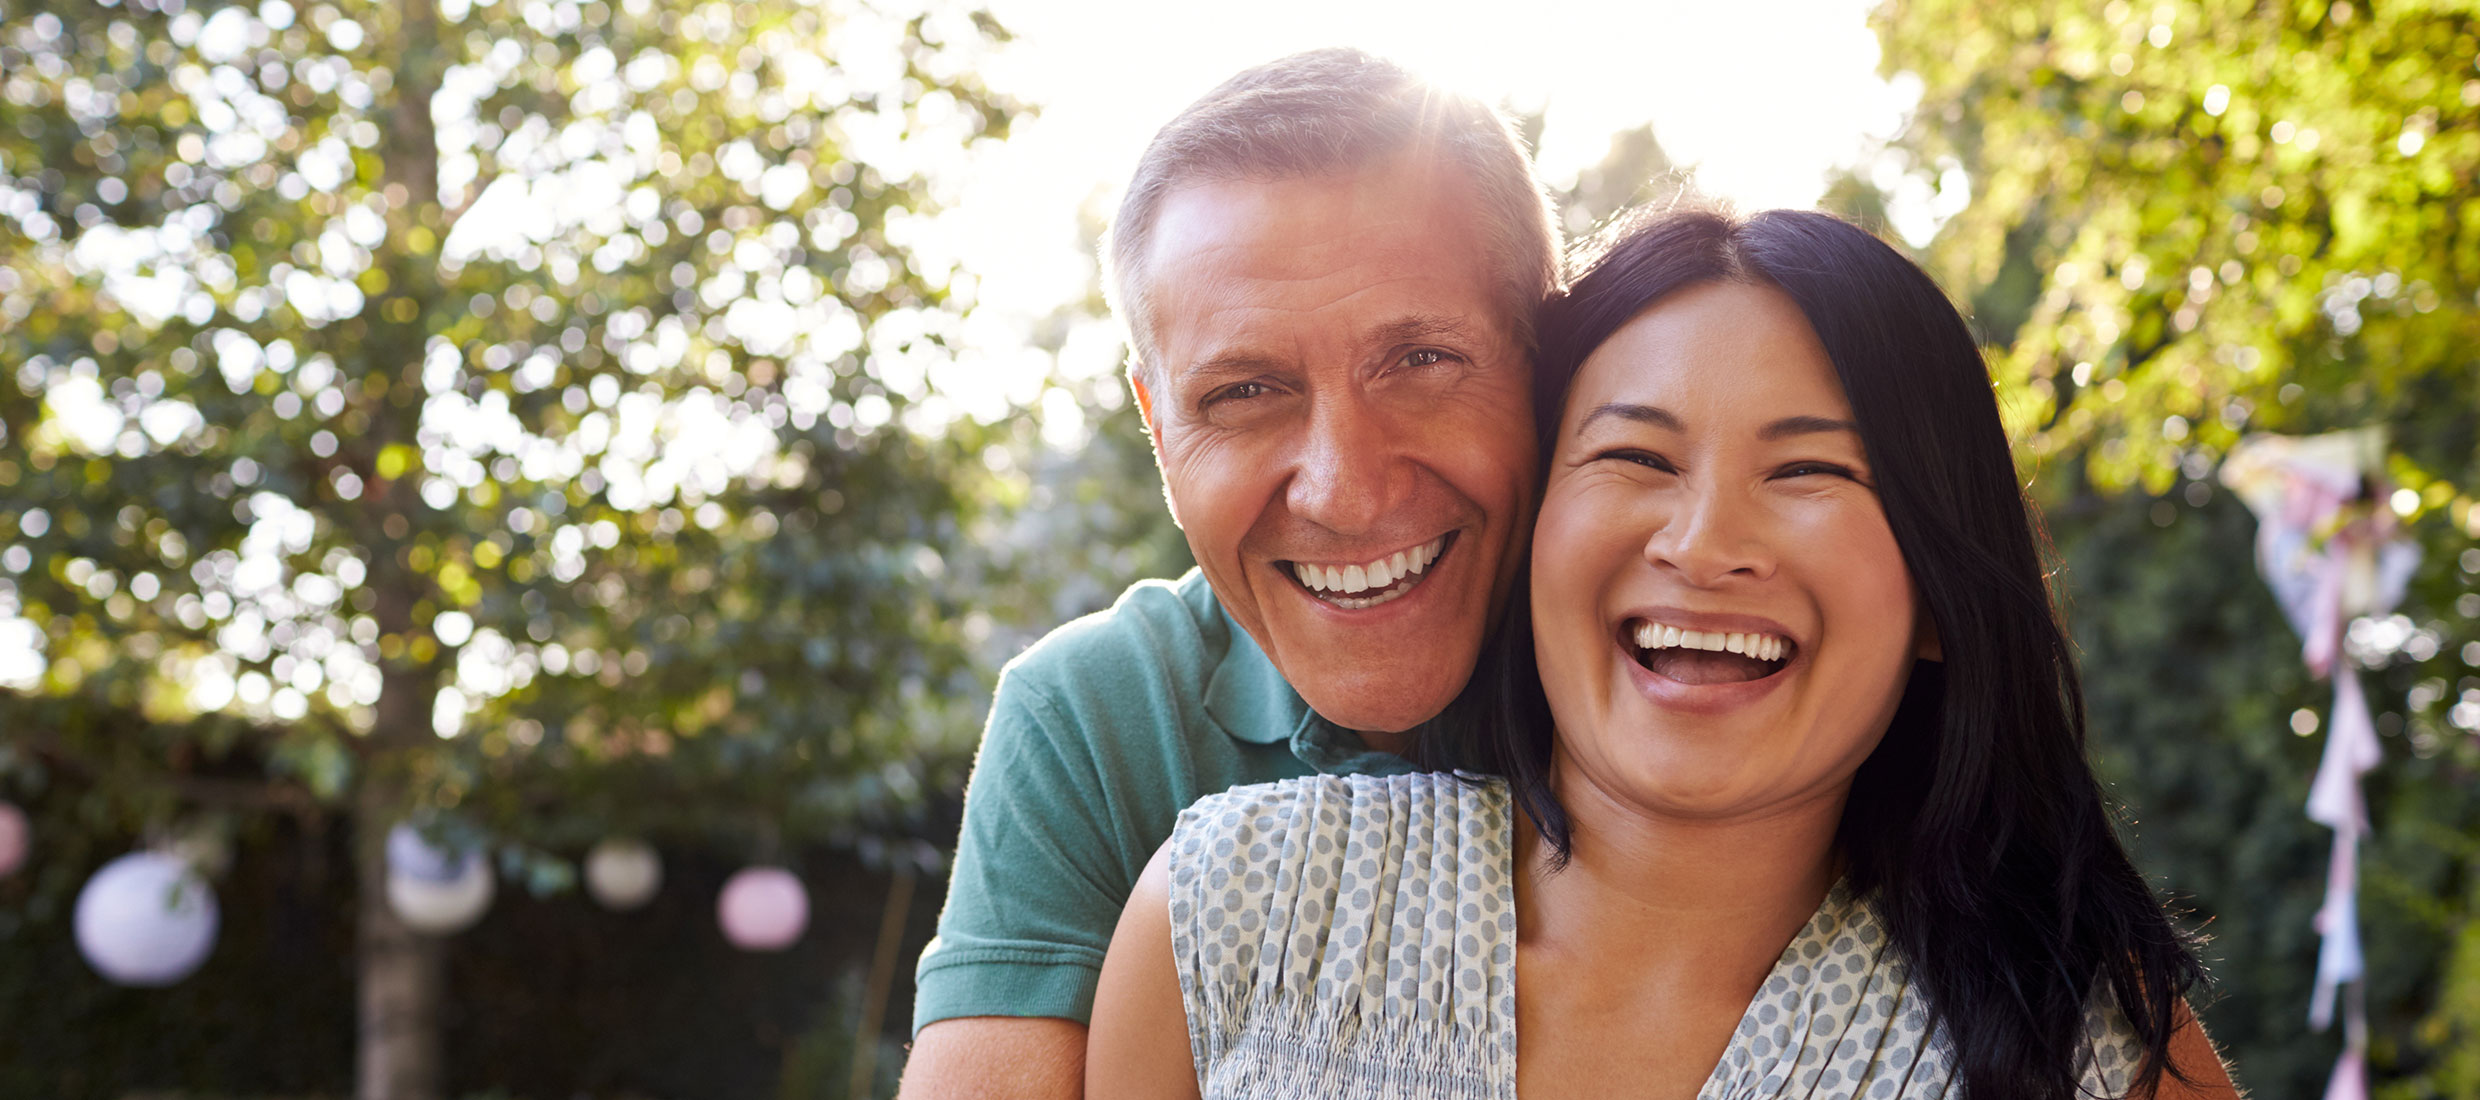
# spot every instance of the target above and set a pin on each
(1153, 436)
(1145, 398)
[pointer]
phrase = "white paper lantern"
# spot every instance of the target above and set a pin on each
(623, 874)
(14, 837)
(146, 919)
(762, 909)
(411, 854)
(435, 890)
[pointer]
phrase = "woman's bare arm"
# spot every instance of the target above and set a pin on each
(1138, 1044)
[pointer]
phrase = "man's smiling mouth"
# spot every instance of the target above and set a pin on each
(1358, 585)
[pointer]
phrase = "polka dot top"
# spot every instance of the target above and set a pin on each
(1355, 936)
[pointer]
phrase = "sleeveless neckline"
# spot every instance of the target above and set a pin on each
(1355, 937)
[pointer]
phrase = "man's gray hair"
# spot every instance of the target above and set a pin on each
(1326, 112)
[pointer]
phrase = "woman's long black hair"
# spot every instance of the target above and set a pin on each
(1975, 829)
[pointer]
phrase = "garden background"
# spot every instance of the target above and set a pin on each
(558, 421)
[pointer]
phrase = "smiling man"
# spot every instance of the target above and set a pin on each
(1328, 271)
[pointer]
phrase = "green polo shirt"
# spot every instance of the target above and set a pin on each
(1100, 735)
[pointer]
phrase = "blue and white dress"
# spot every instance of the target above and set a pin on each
(1355, 937)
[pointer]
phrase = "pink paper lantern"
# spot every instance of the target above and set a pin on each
(762, 909)
(14, 835)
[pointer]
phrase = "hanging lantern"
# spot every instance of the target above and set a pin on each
(436, 890)
(14, 838)
(623, 874)
(2334, 551)
(146, 919)
(762, 909)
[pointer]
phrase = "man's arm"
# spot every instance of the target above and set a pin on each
(1039, 880)
(997, 1057)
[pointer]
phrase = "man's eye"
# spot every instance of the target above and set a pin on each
(1237, 391)
(1425, 357)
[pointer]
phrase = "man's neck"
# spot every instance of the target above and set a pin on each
(1398, 742)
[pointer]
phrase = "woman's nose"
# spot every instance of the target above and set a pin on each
(1709, 537)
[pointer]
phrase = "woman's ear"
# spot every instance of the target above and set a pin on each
(1925, 634)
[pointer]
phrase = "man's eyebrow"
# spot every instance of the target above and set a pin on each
(1235, 362)
(1418, 327)
(1790, 426)
(1639, 414)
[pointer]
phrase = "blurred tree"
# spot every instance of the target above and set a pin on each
(2187, 221)
(518, 410)
(2236, 217)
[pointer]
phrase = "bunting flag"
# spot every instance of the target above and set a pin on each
(2332, 552)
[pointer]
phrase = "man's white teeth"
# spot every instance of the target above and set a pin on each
(1764, 647)
(1372, 576)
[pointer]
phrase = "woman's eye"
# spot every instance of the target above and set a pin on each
(1646, 459)
(1810, 469)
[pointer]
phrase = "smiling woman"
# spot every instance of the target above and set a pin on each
(1709, 482)
(1787, 794)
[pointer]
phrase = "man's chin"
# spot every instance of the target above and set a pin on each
(1384, 672)
(1369, 709)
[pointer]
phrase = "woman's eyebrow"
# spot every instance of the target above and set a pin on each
(1667, 420)
(1790, 426)
(1640, 414)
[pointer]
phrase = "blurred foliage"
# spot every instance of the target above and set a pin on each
(532, 411)
(2189, 221)
(591, 396)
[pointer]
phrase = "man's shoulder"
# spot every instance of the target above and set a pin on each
(1159, 638)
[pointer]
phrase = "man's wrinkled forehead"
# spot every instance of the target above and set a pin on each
(1318, 239)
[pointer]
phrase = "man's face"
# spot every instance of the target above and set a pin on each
(1344, 421)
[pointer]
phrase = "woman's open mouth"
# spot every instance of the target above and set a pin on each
(1368, 584)
(1705, 657)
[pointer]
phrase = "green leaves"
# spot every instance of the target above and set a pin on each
(528, 393)
(2192, 221)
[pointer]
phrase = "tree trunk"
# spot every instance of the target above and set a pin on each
(401, 971)
(881, 982)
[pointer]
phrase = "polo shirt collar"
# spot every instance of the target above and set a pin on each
(1249, 698)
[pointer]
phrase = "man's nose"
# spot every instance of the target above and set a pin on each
(1348, 475)
(1708, 537)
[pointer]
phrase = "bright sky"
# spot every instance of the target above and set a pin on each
(1762, 97)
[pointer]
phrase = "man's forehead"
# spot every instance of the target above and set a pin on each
(1277, 228)
(1244, 340)
(1364, 257)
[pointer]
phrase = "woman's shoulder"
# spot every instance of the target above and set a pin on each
(1368, 913)
(1345, 802)
(2111, 1052)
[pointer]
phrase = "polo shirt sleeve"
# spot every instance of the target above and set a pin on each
(1038, 881)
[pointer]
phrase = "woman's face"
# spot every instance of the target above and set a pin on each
(1722, 619)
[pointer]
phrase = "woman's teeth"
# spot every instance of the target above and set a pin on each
(1382, 580)
(1763, 647)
